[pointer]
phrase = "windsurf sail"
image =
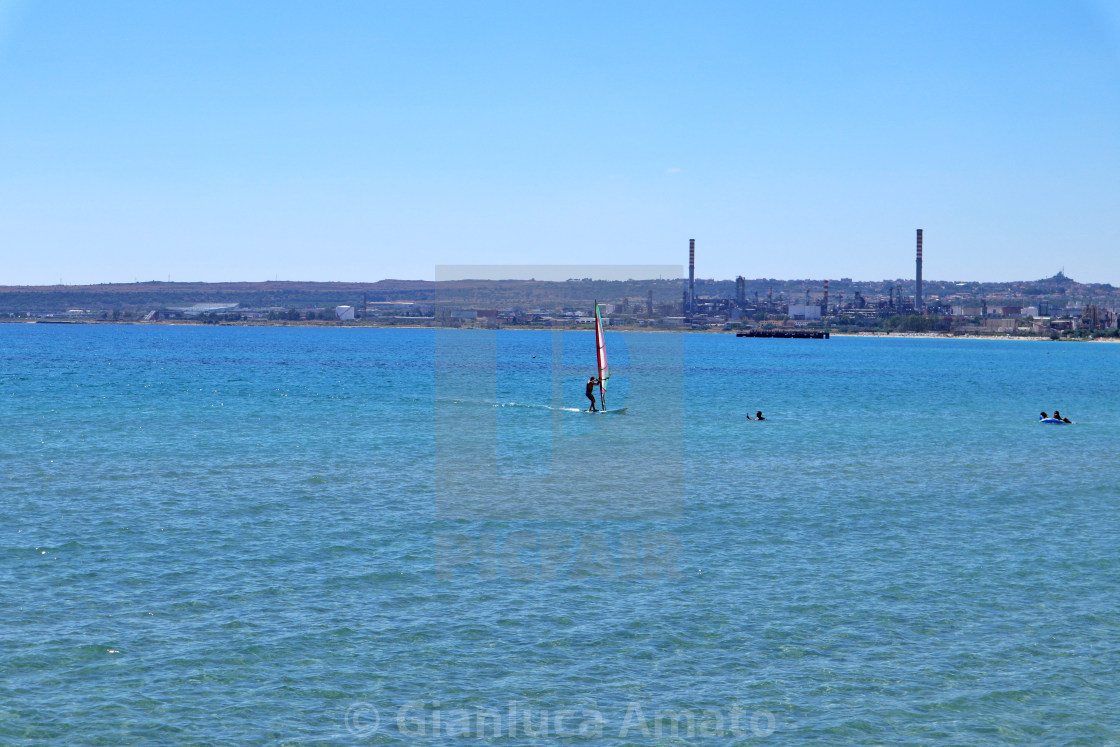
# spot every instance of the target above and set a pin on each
(601, 357)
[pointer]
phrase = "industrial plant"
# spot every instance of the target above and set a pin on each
(1053, 304)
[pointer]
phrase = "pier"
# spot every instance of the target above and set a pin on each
(786, 334)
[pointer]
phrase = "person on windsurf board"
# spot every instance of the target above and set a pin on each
(590, 391)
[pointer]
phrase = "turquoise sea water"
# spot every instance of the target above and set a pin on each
(234, 535)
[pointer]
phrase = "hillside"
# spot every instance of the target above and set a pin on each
(508, 293)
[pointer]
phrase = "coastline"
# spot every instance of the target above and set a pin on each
(376, 325)
(972, 336)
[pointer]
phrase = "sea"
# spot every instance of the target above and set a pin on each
(237, 535)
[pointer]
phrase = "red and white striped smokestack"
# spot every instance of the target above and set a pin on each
(918, 304)
(824, 306)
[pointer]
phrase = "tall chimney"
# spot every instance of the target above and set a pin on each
(691, 275)
(918, 304)
(824, 306)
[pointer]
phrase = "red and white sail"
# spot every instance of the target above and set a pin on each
(601, 357)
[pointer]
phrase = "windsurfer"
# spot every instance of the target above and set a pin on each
(591, 392)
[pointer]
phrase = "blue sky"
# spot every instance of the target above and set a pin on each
(367, 140)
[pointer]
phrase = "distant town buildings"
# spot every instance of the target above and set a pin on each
(1051, 305)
